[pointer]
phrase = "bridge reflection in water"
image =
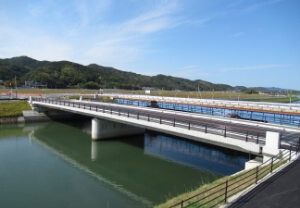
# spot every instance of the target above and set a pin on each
(148, 168)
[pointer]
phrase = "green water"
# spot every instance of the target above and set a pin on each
(57, 165)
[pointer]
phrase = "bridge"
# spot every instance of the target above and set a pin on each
(278, 113)
(113, 120)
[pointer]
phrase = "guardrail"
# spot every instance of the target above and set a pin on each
(220, 193)
(241, 133)
(278, 106)
(263, 116)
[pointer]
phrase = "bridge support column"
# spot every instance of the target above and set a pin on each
(272, 147)
(104, 129)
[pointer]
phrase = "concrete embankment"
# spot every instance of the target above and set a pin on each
(10, 120)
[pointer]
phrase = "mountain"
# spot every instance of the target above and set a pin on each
(66, 74)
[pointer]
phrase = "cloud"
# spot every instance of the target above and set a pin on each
(152, 21)
(191, 72)
(238, 34)
(250, 68)
(261, 4)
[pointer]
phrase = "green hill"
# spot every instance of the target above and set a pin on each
(65, 74)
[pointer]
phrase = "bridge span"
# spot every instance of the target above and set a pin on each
(111, 120)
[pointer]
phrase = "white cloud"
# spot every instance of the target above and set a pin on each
(191, 72)
(238, 34)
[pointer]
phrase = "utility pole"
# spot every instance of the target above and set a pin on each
(10, 91)
(16, 86)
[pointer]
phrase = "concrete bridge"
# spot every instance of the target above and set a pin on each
(283, 114)
(113, 120)
(280, 108)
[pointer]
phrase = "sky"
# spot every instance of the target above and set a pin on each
(252, 43)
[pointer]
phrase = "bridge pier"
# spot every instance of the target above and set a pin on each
(272, 146)
(104, 129)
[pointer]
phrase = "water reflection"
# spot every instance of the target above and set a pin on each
(148, 167)
(137, 171)
(201, 156)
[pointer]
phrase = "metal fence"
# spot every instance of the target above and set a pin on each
(218, 194)
(241, 132)
(263, 116)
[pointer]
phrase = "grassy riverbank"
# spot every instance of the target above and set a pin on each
(213, 193)
(11, 109)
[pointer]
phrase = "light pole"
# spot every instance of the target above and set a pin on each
(10, 91)
(16, 87)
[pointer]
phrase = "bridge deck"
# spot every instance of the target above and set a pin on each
(185, 123)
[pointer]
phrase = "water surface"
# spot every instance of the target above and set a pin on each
(57, 165)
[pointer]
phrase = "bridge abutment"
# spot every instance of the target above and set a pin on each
(104, 129)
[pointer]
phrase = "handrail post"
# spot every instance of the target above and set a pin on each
(148, 117)
(256, 175)
(247, 136)
(257, 138)
(110, 110)
(205, 128)
(181, 204)
(160, 121)
(96, 108)
(189, 125)
(174, 123)
(138, 115)
(225, 132)
(128, 114)
(272, 164)
(290, 157)
(226, 189)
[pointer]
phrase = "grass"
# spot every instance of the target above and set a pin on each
(276, 100)
(228, 95)
(212, 194)
(11, 109)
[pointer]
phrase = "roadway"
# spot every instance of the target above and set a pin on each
(281, 190)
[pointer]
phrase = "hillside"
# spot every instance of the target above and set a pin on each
(65, 74)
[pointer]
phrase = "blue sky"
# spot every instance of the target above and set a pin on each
(236, 42)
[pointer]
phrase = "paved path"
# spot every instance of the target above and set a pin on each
(281, 190)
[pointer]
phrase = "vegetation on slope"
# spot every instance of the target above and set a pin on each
(10, 109)
(65, 74)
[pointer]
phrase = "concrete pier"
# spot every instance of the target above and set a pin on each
(104, 129)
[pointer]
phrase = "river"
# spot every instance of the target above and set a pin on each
(56, 164)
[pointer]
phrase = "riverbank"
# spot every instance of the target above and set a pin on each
(12, 112)
(15, 112)
(227, 187)
(13, 109)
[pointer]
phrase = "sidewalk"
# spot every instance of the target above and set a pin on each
(281, 190)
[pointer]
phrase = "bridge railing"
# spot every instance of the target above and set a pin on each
(277, 118)
(219, 194)
(241, 133)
